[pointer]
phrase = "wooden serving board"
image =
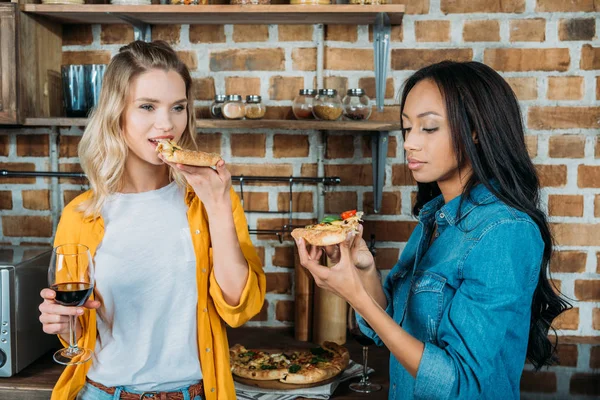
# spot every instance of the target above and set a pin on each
(275, 384)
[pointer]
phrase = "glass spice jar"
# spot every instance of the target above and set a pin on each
(327, 105)
(216, 111)
(189, 2)
(369, 2)
(310, 2)
(356, 105)
(254, 108)
(233, 108)
(303, 104)
(249, 2)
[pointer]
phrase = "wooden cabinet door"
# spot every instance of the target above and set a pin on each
(8, 64)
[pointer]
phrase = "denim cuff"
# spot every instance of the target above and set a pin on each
(435, 377)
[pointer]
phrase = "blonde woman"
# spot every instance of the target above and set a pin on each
(174, 261)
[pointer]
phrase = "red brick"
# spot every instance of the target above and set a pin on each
(481, 31)
(576, 234)
(597, 148)
(595, 357)
(308, 170)
(577, 29)
(278, 224)
(528, 30)
(596, 318)
(597, 206)
(279, 282)
(304, 59)
(352, 174)
(597, 94)
(4, 145)
(295, 33)
(538, 382)
(284, 257)
(565, 87)
(341, 33)
(585, 383)
(68, 146)
(598, 262)
(209, 142)
(588, 176)
(203, 88)
(248, 60)
(167, 33)
(525, 88)
(482, 6)
(17, 167)
(260, 169)
(527, 59)
(284, 87)
(279, 112)
(389, 231)
(566, 6)
(531, 142)
(242, 85)
(339, 146)
(207, 34)
(189, 58)
(290, 146)
(255, 201)
(567, 146)
(250, 33)
(69, 195)
(568, 261)
(565, 205)
(336, 82)
(368, 85)
(413, 59)
(248, 145)
(391, 203)
(263, 315)
(385, 258)
(417, 7)
(36, 199)
(116, 34)
(33, 145)
(284, 311)
(77, 34)
(587, 290)
(6, 200)
(348, 59)
(301, 202)
(567, 355)
(590, 57)
(568, 320)
(563, 117)
(401, 176)
(26, 225)
(337, 202)
(366, 146)
(396, 34)
(85, 57)
(71, 167)
(432, 31)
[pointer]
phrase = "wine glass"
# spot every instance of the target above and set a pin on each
(71, 276)
(365, 385)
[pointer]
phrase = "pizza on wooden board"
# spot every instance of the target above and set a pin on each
(293, 367)
(331, 230)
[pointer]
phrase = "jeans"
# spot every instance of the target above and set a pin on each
(89, 392)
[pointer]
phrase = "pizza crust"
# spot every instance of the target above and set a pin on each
(321, 237)
(175, 154)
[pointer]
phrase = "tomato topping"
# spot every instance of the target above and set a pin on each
(348, 214)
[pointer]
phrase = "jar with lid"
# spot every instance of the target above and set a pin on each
(356, 105)
(233, 108)
(327, 105)
(369, 2)
(303, 104)
(249, 2)
(254, 108)
(189, 2)
(216, 111)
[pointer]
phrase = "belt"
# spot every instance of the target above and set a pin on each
(194, 390)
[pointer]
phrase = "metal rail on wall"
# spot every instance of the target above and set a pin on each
(291, 180)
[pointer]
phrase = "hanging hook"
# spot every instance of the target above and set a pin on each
(242, 190)
(291, 205)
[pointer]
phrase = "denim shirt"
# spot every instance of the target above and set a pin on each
(467, 297)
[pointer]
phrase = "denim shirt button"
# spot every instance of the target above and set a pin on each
(442, 215)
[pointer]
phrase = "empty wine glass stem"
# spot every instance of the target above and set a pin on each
(365, 377)
(72, 335)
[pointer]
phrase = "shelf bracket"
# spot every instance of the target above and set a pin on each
(382, 31)
(141, 30)
(379, 148)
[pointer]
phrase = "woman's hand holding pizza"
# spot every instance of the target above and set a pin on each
(359, 251)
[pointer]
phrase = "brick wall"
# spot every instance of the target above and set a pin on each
(548, 50)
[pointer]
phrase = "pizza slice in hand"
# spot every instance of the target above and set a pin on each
(331, 230)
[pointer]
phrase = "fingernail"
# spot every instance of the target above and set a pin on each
(79, 311)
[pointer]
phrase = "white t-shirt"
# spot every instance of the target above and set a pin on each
(146, 281)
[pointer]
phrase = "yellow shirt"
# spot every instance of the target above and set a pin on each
(213, 311)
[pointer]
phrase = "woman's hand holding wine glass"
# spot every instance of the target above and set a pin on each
(71, 280)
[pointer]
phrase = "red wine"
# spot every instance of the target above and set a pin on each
(361, 338)
(72, 294)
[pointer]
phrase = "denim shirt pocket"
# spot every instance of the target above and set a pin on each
(427, 303)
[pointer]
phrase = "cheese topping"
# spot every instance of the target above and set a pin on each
(167, 146)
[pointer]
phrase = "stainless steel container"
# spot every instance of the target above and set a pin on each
(81, 88)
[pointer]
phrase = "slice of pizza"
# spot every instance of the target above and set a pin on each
(331, 230)
(173, 153)
(256, 364)
(318, 364)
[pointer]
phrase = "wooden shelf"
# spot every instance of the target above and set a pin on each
(307, 125)
(218, 14)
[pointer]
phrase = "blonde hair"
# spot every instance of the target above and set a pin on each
(102, 149)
